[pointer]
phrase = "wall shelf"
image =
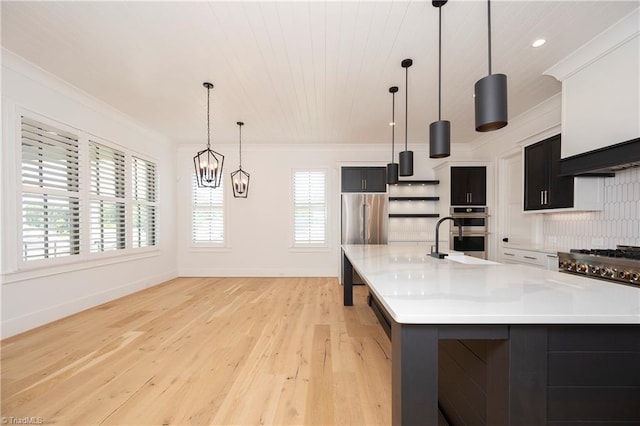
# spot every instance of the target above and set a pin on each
(414, 215)
(414, 198)
(417, 182)
(413, 210)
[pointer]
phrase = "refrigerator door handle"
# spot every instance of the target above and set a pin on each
(365, 238)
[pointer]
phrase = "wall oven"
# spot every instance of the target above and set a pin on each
(474, 224)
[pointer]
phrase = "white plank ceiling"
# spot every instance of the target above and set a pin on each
(300, 72)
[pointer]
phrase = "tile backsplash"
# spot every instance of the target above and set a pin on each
(618, 223)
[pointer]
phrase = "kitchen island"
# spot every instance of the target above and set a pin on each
(500, 344)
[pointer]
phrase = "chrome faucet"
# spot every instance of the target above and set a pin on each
(436, 253)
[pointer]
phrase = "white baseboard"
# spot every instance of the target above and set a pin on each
(16, 325)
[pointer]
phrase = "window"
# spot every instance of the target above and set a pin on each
(309, 208)
(207, 213)
(79, 197)
(106, 204)
(143, 189)
(50, 192)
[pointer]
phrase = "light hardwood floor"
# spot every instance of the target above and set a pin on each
(222, 351)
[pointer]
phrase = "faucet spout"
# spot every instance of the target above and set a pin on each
(436, 253)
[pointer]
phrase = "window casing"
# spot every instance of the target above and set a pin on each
(309, 208)
(207, 214)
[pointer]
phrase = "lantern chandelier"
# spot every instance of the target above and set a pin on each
(208, 163)
(240, 178)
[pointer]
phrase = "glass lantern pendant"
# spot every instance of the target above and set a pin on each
(208, 163)
(240, 178)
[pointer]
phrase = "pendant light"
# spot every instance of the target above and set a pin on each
(439, 131)
(240, 178)
(491, 95)
(208, 163)
(406, 156)
(392, 167)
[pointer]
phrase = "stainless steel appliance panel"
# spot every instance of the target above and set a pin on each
(365, 218)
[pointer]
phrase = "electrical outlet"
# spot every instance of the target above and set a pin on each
(597, 243)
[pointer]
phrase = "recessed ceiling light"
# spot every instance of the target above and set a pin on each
(539, 42)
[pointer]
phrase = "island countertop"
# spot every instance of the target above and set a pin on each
(415, 288)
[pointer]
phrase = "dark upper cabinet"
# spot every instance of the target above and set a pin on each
(364, 179)
(468, 186)
(544, 188)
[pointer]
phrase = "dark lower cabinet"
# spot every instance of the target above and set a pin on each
(364, 179)
(469, 186)
(544, 188)
(543, 375)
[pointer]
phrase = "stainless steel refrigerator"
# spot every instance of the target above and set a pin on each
(365, 220)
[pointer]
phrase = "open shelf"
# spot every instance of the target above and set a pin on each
(414, 215)
(414, 198)
(417, 182)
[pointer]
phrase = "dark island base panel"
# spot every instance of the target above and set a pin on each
(540, 375)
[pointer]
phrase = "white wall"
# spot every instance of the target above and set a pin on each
(31, 297)
(259, 227)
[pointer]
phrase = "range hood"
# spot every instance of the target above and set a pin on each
(603, 161)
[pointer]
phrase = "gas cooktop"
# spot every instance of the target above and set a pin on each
(621, 264)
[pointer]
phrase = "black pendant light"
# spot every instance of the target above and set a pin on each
(240, 178)
(439, 131)
(208, 163)
(392, 167)
(491, 95)
(406, 156)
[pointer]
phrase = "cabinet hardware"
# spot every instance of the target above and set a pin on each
(530, 257)
(542, 198)
(508, 254)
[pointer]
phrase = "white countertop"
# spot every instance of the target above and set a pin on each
(418, 289)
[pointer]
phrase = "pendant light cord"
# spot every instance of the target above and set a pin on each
(406, 107)
(240, 126)
(440, 63)
(208, 125)
(489, 26)
(393, 123)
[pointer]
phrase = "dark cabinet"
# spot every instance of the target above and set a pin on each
(364, 179)
(469, 186)
(544, 188)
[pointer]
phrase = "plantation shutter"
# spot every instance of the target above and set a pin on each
(50, 192)
(309, 208)
(143, 187)
(107, 204)
(207, 213)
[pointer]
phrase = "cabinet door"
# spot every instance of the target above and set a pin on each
(468, 186)
(352, 179)
(375, 179)
(560, 187)
(535, 176)
(459, 193)
(477, 185)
